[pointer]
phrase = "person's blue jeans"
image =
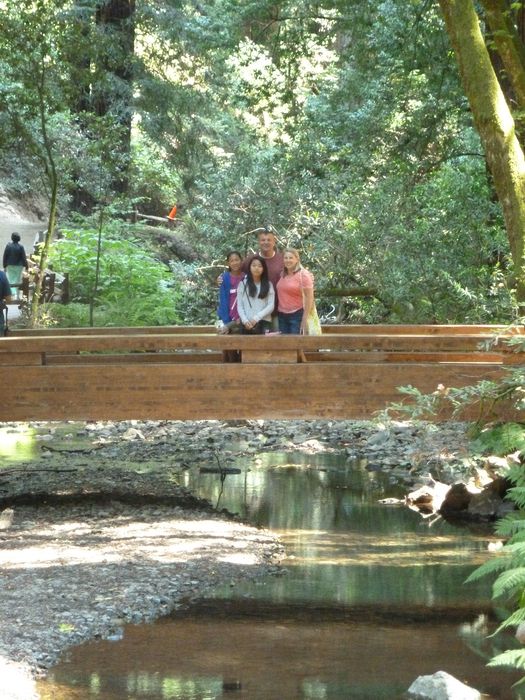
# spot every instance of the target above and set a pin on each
(291, 323)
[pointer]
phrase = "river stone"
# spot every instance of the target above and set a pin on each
(442, 686)
(378, 439)
(485, 504)
(457, 499)
(15, 683)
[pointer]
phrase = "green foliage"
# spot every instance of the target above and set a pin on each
(485, 395)
(510, 581)
(488, 568)
(500, 439)
(517, 494)
(154, 185)
(343, 125)
(134, 289)
(515, 658)
(198, 297)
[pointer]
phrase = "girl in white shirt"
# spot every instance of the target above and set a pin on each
(256, 298)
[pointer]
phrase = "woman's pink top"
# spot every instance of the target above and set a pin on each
(290, 290)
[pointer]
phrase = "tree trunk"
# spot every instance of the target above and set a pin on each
(115, 97)
(494, 123)
(48, 160)
(509, 45)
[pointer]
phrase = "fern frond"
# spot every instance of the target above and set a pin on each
(517, 538)
(509, 581)
(511, 524)
(517, 343)
(515, 551)
(491, 566)
(513, 620)
(515, 475)
(514, 658)
(517, 495)
(500, 440)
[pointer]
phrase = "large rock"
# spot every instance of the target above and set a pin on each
(442, 686)
(27, 208)
(457, 499)
(16, 682)
(485, 504)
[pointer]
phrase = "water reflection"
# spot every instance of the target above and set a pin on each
(342, 544)
(200, 657)
(373, 597)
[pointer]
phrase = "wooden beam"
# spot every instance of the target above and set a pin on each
(193, 392)
(179, 374)
(190, 341)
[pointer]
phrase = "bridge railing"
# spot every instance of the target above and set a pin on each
(179, 373)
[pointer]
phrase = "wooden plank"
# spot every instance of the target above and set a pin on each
(259, 356)
(380, 356)
(421, 329)
(17, 359)
(263, 356)
(193, 392)
(128, 330)
(150, 342)
(130, 358)
(269, 356)
(357, 329)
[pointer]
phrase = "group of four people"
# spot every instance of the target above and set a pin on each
(265, 286)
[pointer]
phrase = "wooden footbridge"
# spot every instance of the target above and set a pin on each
(178, 373)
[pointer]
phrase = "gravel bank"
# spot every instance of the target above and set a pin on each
(75, 568)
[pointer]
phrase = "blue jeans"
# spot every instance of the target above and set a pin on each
(291, 323)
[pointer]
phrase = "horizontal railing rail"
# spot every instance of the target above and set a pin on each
(180, 373)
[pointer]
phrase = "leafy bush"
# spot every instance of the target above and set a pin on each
(133, 288)
(198, 298)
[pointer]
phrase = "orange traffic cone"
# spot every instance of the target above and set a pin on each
(173, 213)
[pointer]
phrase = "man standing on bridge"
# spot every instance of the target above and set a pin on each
(267, 250)
(5, 296)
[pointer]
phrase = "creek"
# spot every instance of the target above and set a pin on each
(371, 597)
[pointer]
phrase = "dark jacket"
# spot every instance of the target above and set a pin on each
(14, 254)
(5, 289)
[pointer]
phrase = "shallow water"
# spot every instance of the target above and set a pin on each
(372, 597)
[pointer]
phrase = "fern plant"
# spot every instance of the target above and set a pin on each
(500, 439)
(485, 394)
(509, 565)
(496, 439)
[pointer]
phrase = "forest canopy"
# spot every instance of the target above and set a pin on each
(344, 126)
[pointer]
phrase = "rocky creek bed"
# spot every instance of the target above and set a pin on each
(97, 532)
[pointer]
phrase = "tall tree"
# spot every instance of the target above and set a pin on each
(113, 94)
(492, 115)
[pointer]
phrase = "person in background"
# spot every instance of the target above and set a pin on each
(227, 311)
(5, 296)
(256, 298)
(14, 263)
(295, 293)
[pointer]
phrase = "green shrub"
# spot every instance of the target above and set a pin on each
(133, 288)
